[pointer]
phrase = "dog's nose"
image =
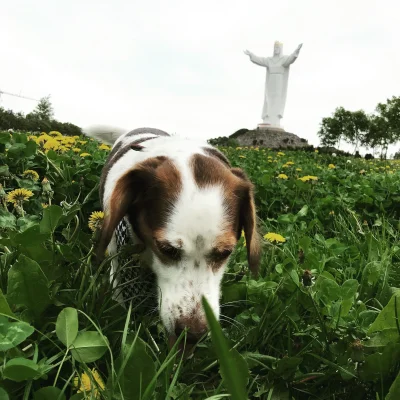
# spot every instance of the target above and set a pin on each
(193, 334)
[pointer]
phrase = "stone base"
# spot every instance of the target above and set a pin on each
(268, 127)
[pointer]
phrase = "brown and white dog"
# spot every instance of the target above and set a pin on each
(187, 206)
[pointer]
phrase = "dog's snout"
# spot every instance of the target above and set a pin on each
(195, 330)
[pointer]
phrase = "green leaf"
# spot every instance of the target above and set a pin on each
(31, 237)
(67, 326)
(387, 317)
(305, 243)
(13, 333)
(28, 286)
(5, 137)
(394, 391)
(88, 346)
(51, 217)
(20, 369)
(7, 219)
(349, 289)
(303, 212)
(49, 393)
(3, 394)
(4, 307)
(138, 372)
(329, 290)
(234, 369)
(4, 170)
(383, 338)
(30, 149)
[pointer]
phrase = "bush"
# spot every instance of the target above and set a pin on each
(33, 123)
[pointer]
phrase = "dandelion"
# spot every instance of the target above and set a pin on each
(281, 153)
(95, 220)
(76, 150)
(242, 156)
(274, 237)
(106, 147)
(332, 212)
(308, 178)
(31, 174)
(18, 196)
(316, 151)
(331, 166)
(298, 169)
(290, 163)
(51, 144)
(44, 205)
(55, 133)
(87, 384)
(362, 171)
(282, 176)
(238, 148)
(84, 154)
(82, 142)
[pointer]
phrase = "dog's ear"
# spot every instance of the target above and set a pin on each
(248, 220)
(130, 192)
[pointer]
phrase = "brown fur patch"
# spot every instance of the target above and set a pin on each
(210, 151)
(238, 199)
(145, 194)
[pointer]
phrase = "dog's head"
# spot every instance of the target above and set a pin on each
(189, 213)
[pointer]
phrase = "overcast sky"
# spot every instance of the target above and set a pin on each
(179, 65)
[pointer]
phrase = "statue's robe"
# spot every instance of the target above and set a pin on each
(276, 84)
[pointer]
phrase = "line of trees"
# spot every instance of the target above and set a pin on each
(41, 119)
(377, 130)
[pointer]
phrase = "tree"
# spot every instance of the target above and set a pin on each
(44, 110)
(385, 125)
(350, 126)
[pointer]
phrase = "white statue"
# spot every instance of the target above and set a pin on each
(276, 83)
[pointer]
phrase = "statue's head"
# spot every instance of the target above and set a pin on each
(278, 48)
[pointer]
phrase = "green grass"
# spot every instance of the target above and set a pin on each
(320, 322)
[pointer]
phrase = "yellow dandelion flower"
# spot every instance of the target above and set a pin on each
(82, 142)
(63, 149)
(331, 166)
(242, 156)
(44, 205)
(308, 178)
(269, 156)
(95, 220)
(290, 163)
(89, 384)
(282, 176)
(51, 144)
(274, 237)
(238, 148)
(104, 147)
(31, 174)
(75, 137)
(332, 212)
(84, 154)
(285, 166)
(32, 137)
(281, 153)
(76, 150)
(298, 169)
(42, 138)
(19, 195)
(315, 151)
(55, 133)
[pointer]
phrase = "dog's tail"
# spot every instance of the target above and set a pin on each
(104, 133)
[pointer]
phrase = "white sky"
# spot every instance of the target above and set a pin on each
(179, 65)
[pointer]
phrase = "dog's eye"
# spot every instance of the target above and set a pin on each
(219, 255)
(166, 249)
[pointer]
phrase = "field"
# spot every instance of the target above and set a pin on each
(321, 321)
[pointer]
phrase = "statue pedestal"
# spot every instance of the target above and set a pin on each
(269, 127)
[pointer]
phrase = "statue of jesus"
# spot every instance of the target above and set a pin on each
(276, 82)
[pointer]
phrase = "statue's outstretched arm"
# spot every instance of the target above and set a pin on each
(263, 62)
(292, 58)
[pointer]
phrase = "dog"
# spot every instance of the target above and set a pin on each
(187, 207)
